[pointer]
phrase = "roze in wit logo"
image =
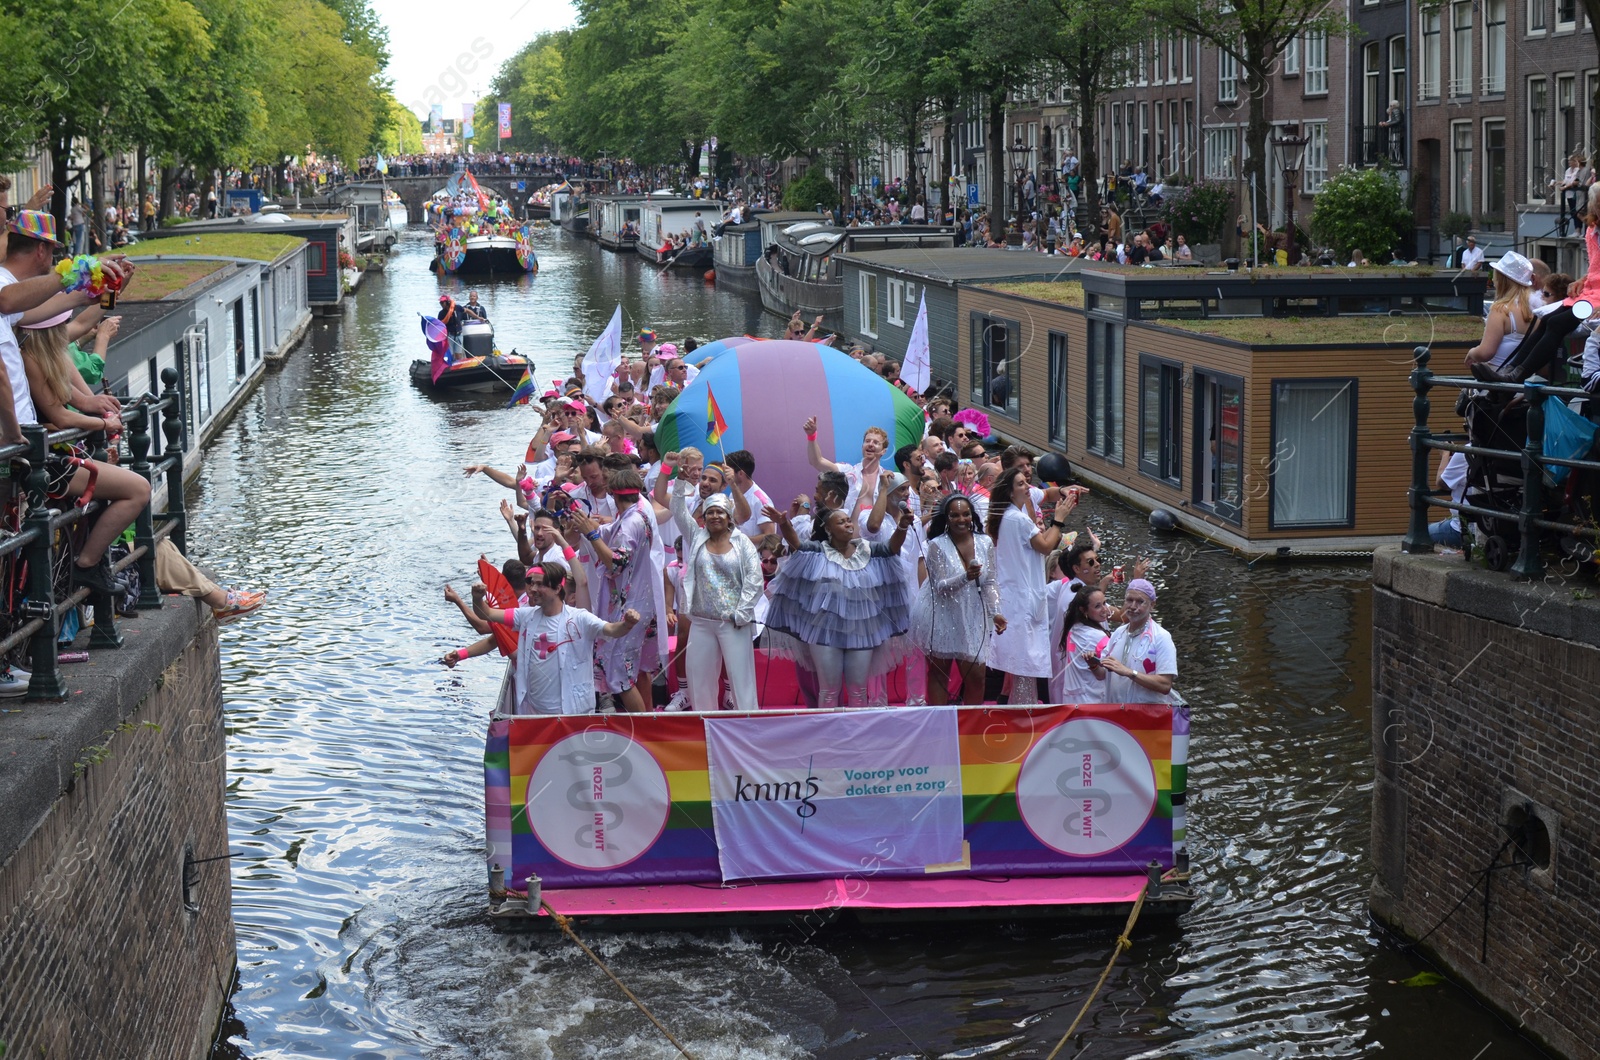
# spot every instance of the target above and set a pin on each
(597, 799)
(1086, 787)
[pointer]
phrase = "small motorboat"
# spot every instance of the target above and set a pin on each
(476, 366)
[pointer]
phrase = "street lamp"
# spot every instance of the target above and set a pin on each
(1290, 147)
(924, 152)
(1019, 162)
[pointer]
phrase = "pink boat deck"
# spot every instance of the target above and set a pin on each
(925, 895)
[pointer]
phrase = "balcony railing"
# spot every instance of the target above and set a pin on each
(1377, 143)
(35, 558)
(1494, 84)
(1460, 86)
(1529, 520)
(1428, 89)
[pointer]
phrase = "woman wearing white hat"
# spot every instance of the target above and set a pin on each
(1510, 315)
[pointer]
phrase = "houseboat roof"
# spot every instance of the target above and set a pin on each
(953, 265)
(257, 246)
(156, 279)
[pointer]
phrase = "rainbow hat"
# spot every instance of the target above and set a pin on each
(35, 223)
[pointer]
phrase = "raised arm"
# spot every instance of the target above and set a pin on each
(898, 538)
(1048, 540)
(619, 628)
(813, 450)
(490, 473)
(478, 624)
(785, 527)
(880, 506)
(480, 607)
(682, 510)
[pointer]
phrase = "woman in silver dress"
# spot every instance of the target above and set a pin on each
(959, 603)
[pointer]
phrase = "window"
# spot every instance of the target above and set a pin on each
(1591, 81)
(1461, 48)
(241, 354)
(1160, 418)
(1566, 15)
(1372, 107)
(897, 299)
(868, 307)
(1428, 87)
(1538, 139)
(1058, 389)
(1173, 47)
(1313, 453)
(155, 377)
(1494, 175)
(1227, 77)
(1494, 47)
(1218, 445)
(1536, 23)
(1116, 135)
(1191, 137)
(1291, 58)
(1316, 57)
(1105, 390)
(1221, 153)
(1397, 68)
(996, 356)
(1316, 157)
(1188, 49)
(1461, 166)
(1566, 112)
(316, 258)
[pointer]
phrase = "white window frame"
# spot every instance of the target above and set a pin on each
(1227, 77)
(1315, 81)
(1538, 18)
(1541, 192)
(897, 297)
(1221, 152)
(1461, 44)
(1291, 58)
(1314, 168)
(1566, 26)
(1461, 182)
(1505, 166)
(1397, 70)
(1494, 47)
(1428, 58)
(867, 306)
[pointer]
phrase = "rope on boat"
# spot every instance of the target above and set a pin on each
(565, 924)
(1124, 944)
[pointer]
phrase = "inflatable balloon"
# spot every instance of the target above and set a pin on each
(712, 350)
(764, 391)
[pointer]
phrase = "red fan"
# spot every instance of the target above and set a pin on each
(500, 595)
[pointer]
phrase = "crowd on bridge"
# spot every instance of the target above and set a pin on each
(649, 580)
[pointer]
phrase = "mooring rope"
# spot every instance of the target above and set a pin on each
(1124, 943)
(565, 924)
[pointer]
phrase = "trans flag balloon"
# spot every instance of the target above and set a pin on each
(762, 392)
(712, 350)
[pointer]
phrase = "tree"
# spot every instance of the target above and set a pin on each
(1362, 208)
(1005, 52)
(1255, 32)
(401, 134)
(533, 82)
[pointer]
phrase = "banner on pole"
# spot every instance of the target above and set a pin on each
(466, 121)
(436, 118)
(505, 121)
(917, 368)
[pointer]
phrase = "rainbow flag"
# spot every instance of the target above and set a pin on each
(716, 426)
(586, 800)
(524, 391)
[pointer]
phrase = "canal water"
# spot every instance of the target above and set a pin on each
(355, 791)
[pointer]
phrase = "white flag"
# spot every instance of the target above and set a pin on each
(602, 360)
(915, 368)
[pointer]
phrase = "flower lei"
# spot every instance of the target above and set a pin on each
(84, 273)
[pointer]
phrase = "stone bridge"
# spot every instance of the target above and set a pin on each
(415, 191)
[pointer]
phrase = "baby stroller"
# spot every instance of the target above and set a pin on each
(1494, 420)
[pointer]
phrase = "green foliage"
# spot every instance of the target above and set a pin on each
(1361, 209)
(95, 754)
(401, 134)
(1455, 225)
(812, 188)
(1199, 212)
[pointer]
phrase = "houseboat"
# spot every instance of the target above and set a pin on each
(569, 207)
(661, 820)
(539, 202)
(614, 220)
(736, 251)
(372, 209)
(677, 232)
(799, 271)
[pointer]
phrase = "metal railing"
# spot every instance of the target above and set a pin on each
(1377, 143)
(1530, 518)
(36, 620)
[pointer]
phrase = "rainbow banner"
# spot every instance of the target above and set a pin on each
(505, 121)
(600, 799)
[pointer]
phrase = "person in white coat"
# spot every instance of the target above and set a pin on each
(1020, 547)
(1141, 659)
(721, 583)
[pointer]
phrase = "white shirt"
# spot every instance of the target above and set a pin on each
(11, 355)
(1152, 651)
(554, 671)
(756, 498)
(658, 375)
(1472, 257)
(606, 506)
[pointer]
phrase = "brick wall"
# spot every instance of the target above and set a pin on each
(1486, 694)
(100, 955)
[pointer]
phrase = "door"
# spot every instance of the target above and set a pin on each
(1219, 445)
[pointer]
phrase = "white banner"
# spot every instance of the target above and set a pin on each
(915, 369)
(600, 363)
(856, 793)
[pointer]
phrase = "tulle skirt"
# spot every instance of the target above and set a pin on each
(816, 601)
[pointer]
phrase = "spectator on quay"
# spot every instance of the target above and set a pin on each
(1472, 256)
(1509, 316)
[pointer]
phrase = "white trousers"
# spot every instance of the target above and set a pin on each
(716, 645)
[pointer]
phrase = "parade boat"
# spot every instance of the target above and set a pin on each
(539, 202)
(474, 365)
(484, 248)
(786, 815)
(689, 222)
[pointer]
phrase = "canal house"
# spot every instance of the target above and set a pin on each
(1267, 414)
(883, 288)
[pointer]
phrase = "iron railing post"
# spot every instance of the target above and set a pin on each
(1529, 564)
(1417, 538)
(172, 427)
(144, 535)
(46, 682)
